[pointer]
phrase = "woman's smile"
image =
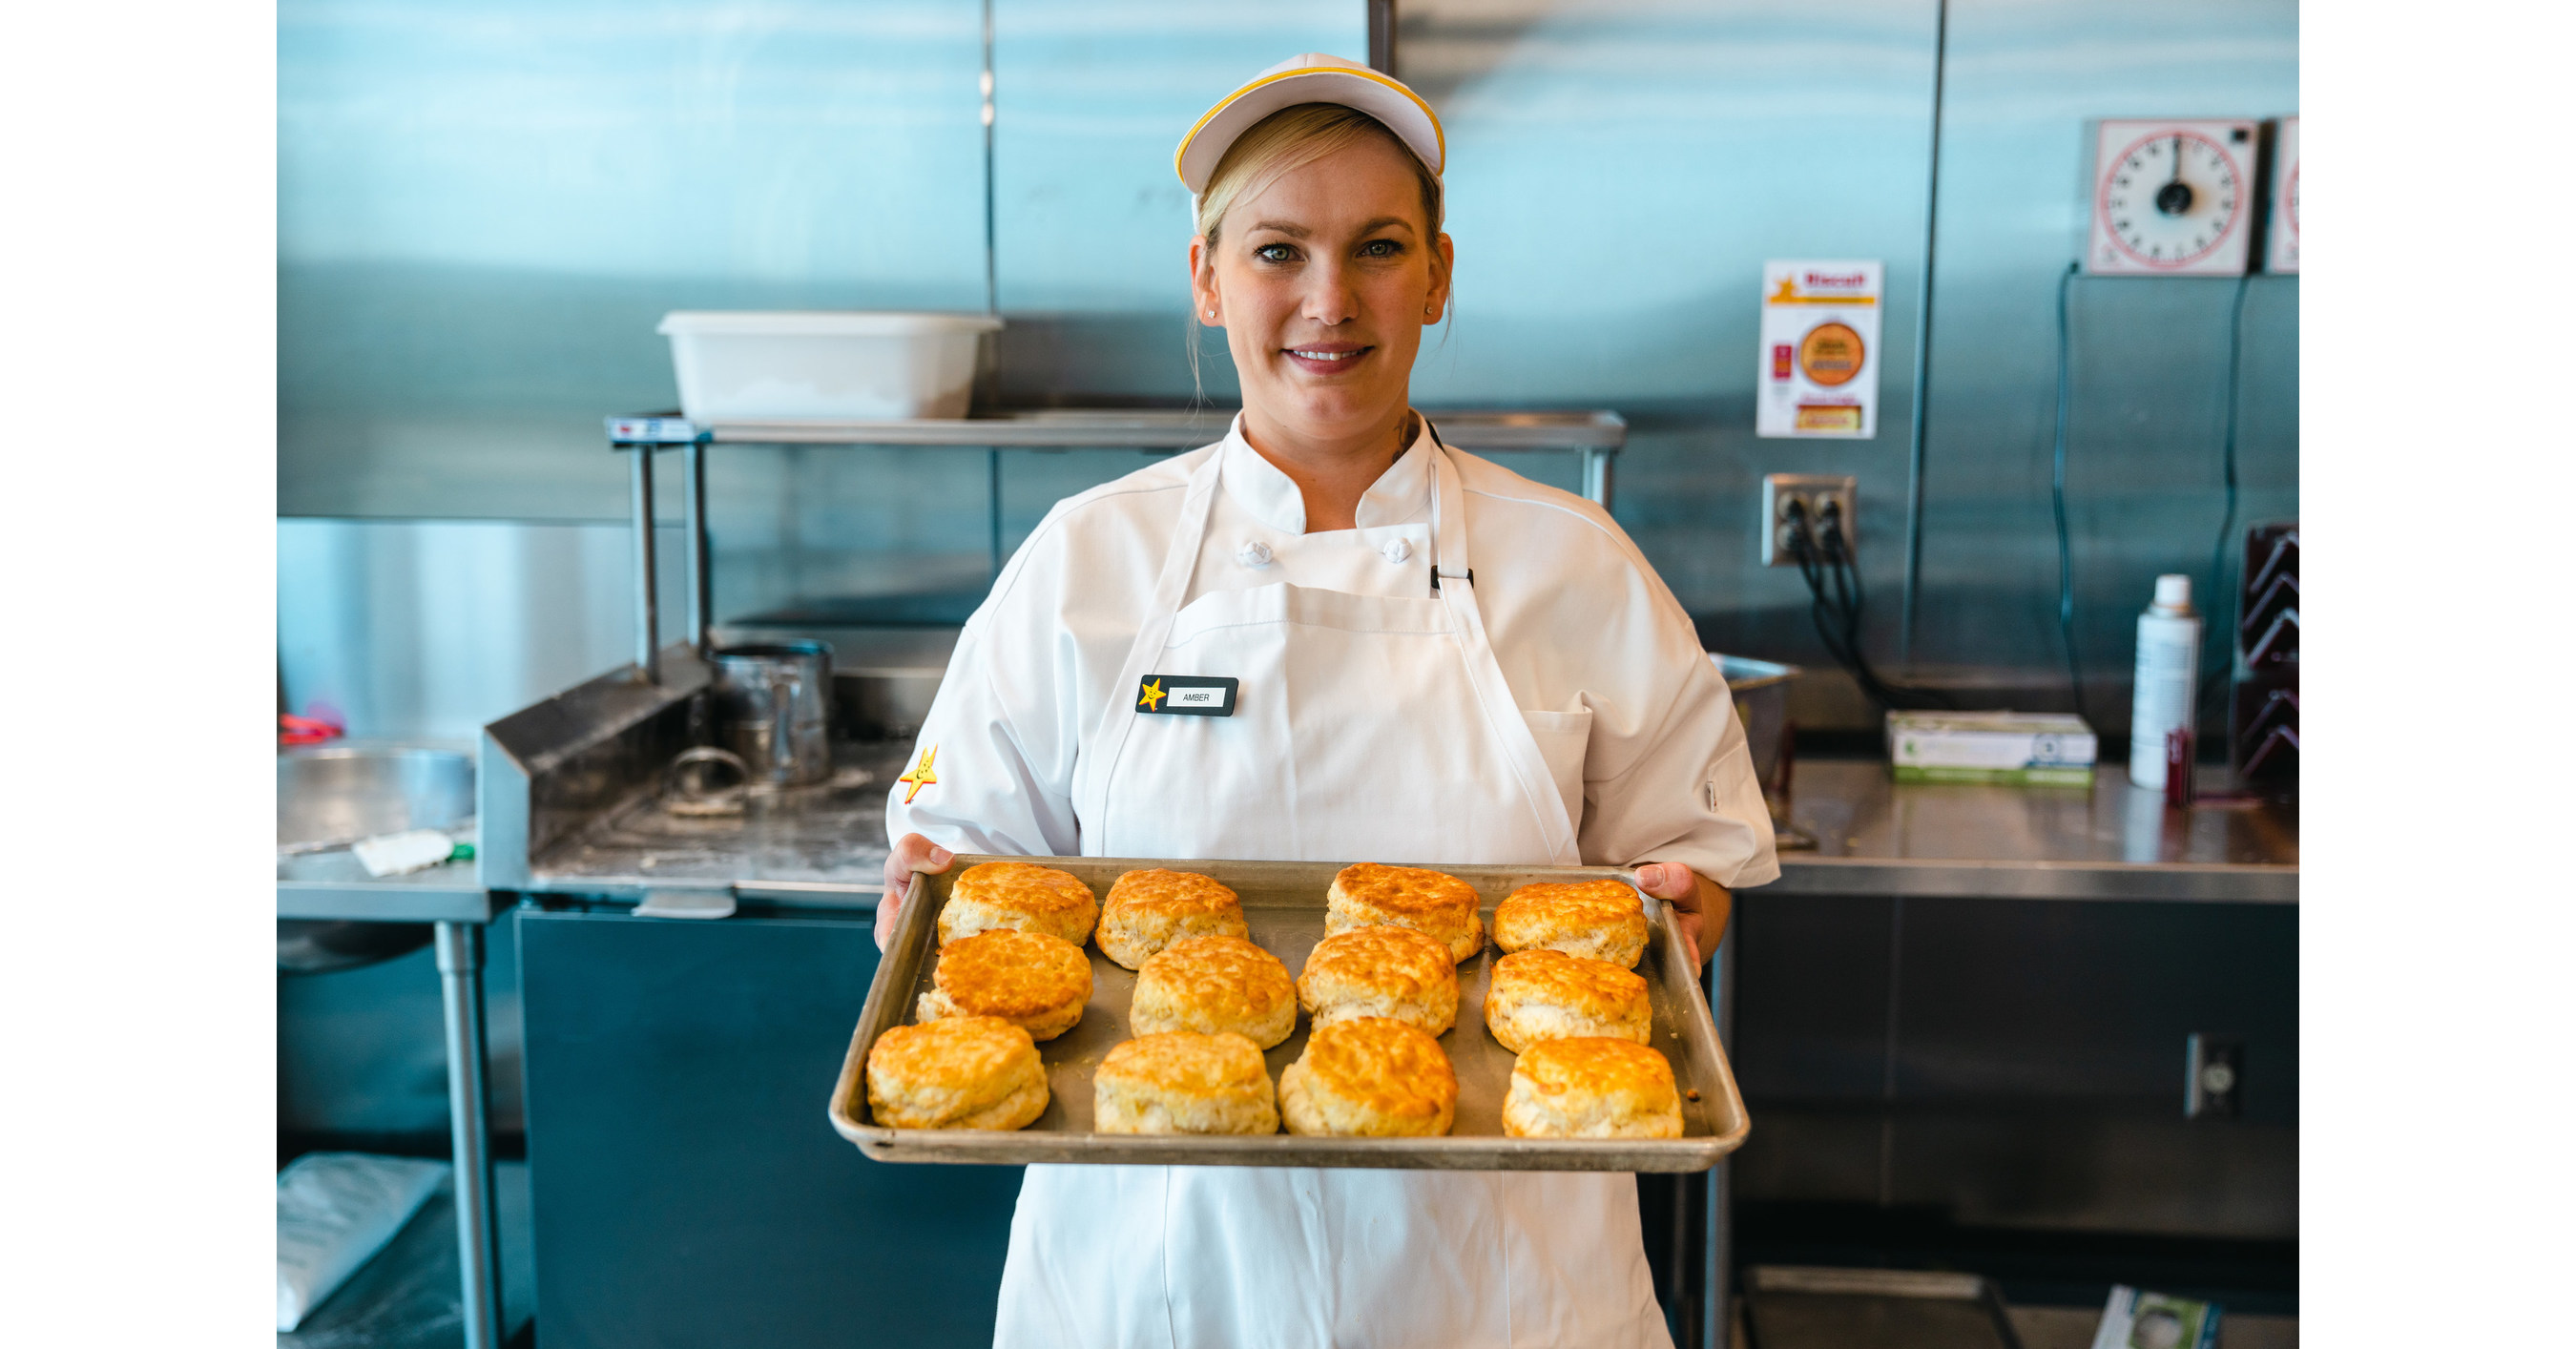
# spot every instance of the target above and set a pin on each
(1328, 359)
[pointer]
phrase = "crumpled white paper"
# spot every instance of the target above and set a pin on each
(395, 854)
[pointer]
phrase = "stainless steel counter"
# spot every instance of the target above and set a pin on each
(332, 886)
(569, 806)
(821, 845)
(2109, 841)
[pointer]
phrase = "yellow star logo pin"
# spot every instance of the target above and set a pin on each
(1151, 699)
(920, 776)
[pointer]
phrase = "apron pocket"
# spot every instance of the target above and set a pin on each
(1562, 739)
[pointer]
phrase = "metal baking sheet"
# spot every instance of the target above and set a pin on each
(1283, 902)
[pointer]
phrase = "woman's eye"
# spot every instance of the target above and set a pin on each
(1380, 248)
(1275, 253)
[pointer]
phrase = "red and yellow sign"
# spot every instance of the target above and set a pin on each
(1820, 330)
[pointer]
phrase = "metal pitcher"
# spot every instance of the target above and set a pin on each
(772, 704)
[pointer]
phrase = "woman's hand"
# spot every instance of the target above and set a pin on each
(1703, 903)
(911, 853)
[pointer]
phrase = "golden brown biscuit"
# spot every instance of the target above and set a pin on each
(1211, 985)
(1030, 979)
(1181, 1083)
(965, 1072)
(1371, 1077)
(1592, 1088)
(1549, 995)
(1603, 919)
(1020, 895)
(1149, 910)
(1381, 971)
(1439, 906)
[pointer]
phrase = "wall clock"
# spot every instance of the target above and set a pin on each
(2171, 197)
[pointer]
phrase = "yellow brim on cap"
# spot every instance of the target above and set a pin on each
(1379, 95)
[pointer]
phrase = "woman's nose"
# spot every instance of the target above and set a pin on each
(1329, 296)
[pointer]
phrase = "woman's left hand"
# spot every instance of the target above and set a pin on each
(1703, 903)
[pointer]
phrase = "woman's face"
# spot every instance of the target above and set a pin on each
(1323, 282)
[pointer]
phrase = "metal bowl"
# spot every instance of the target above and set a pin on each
(1761, 690)
(332, 796)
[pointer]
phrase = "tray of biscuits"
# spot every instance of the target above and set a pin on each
(1218, 1013)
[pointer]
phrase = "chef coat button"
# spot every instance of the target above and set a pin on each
(1254, 553)
(1397, 550)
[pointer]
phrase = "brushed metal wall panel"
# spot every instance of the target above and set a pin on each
(484, 207)
(1091, 226)
(2149, 353)
(427, 629)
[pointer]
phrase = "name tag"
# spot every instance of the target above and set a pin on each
(1186, 696)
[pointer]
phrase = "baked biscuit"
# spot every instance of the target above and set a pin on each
(1020, 895)
(1211, 985)
(1182, 1083)
(1549, 995)
(1034, 981)
(1381, 971)
(1149, 910)
(1603, 919)
(965, 1072)
(1371, 1077)
(1441, 907)
(1592, 1088)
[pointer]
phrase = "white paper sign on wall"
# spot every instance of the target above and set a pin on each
(1820, 325)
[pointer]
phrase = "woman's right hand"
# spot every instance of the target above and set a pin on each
(911, 853)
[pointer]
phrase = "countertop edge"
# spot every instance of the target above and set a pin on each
(1969, 878)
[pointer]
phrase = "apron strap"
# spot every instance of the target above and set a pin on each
(1091, 775)
(1501, 709)
(1448, 519)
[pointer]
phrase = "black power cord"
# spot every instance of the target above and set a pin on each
(2227, 522)
(1833, 581)
(2221, 603)
(2057, 499)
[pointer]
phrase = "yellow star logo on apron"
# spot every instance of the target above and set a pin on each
(1151, 698)
(920, 776)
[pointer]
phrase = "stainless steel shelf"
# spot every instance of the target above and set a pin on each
(1150, 429)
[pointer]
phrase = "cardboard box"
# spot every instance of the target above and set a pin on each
(2025, 749)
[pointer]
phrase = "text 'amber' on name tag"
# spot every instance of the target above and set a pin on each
(1186, 695)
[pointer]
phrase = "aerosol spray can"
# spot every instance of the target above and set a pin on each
(2168, 682)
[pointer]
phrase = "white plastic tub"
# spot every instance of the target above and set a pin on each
(749, 366)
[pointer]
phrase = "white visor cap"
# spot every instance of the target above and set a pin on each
(1311, 78)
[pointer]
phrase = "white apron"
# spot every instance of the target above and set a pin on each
(1366, 728)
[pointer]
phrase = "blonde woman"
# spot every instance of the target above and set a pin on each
(1433, 660)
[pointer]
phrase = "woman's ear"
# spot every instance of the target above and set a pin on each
(1203, 302)
(1436, 303)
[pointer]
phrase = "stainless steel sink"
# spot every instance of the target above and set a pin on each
(331, 796)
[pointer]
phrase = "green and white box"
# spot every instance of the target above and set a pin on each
(2032, 749)
(2141, 1320)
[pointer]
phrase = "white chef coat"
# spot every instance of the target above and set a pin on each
(1192, 1256)
(1634, 720)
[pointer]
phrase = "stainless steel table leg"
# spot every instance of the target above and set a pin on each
(478, 1247)
(1715, 1305)
(1596, 475)
(648, 594)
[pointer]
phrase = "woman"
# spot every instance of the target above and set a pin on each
(1435, 661)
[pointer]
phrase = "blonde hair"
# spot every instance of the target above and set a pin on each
(1288, 140)
(1282, 143)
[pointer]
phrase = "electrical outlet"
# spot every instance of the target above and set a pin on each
(2214, 1080)
(1811, 493)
